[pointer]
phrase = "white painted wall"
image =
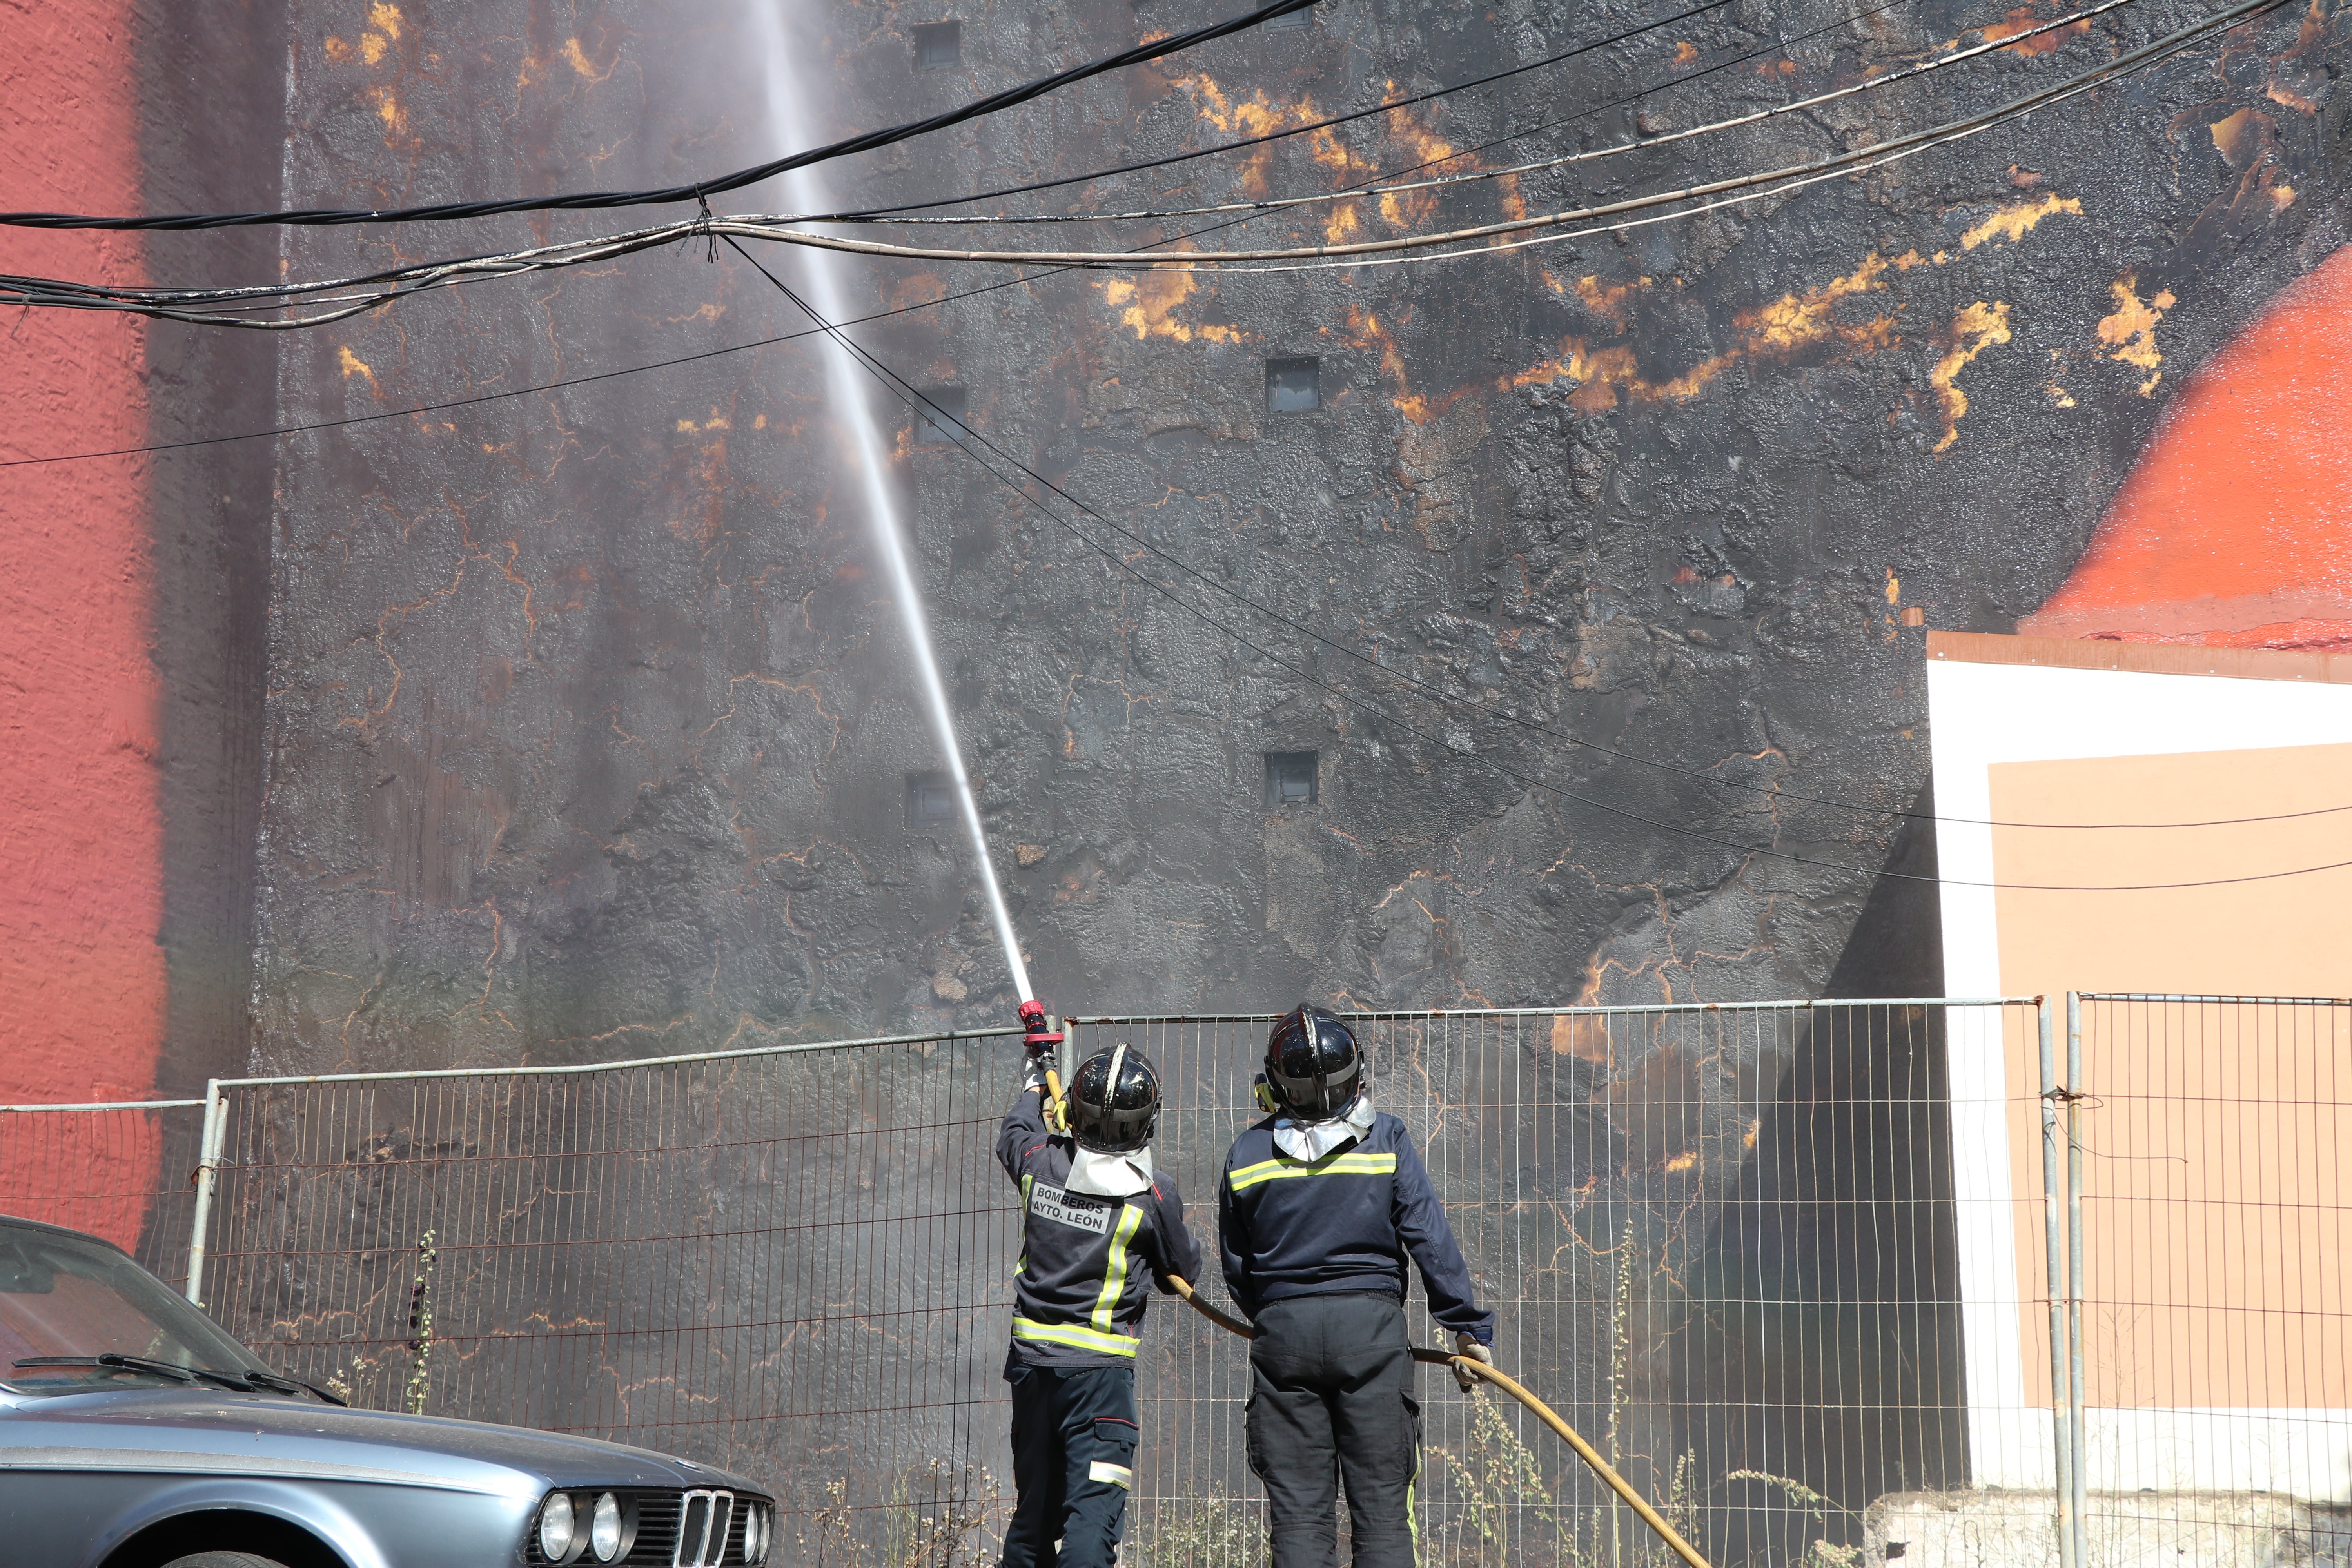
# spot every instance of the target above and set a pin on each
(1981, 714)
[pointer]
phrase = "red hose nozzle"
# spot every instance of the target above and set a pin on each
(1032, 1019)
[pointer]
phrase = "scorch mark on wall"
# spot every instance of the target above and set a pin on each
(1792, 323)
(2130, 331)
(1975, 329)
(1147, 306)
(2016, 221)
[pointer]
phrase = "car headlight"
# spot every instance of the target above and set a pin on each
(604, 1529)
(558, 1528)
(755, 1534)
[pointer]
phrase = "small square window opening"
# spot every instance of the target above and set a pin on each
(1293, 385)
(1290, 779)
(939, 45)
(930, 801)
(941, 420)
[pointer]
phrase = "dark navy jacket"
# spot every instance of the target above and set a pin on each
(1078, 1295)
(1289, 1227)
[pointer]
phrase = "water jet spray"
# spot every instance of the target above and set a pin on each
(805, 190)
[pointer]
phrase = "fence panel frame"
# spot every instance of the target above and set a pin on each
(155, 1225)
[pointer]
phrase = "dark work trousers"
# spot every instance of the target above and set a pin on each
(1073, 1458)
(1331, 1395)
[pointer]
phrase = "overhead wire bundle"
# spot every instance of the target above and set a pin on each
(180, 304)
(343, 298)
(384, 287)
(349, 296)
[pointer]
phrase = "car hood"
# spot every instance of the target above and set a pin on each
(191, 1431)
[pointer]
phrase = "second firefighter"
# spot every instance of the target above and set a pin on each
(1322, 1204)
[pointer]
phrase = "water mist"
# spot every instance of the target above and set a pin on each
(848, 392)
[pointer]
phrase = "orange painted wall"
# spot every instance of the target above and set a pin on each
(2216, 1137)
(2235, 527)
(82, 977)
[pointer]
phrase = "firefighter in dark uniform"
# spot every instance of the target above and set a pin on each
(1321, 1205)
(1097, 1219)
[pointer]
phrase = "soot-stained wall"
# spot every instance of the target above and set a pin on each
(589, 717)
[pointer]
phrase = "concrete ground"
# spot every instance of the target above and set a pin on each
(2124, 1530)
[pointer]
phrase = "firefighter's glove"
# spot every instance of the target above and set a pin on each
(1463, 1378)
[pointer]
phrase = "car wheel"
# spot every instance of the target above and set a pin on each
(224, 1560)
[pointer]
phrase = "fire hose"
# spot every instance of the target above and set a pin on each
(1508, 1385)
(1517, 1390)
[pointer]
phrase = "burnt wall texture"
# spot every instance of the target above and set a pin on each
(589, 717)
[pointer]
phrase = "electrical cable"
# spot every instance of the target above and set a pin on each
(1297, 130)
(1307, 129)
(1758, 185)
(316, 425)
(1352, 253)
(88, 295)
(916, 401)
(700, 191)
(23, 291)
(1640, 144)
(947, 299)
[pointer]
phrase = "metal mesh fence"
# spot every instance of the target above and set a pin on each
(1726, 1243)
(121, 1171)
(789, 1263)
(1788, 1265)
(2211, 1277)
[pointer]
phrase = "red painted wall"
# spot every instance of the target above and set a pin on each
(82, 977)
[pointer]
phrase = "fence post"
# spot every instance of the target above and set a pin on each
(2074, 1276)
(207, 1161)
(2061, 1405)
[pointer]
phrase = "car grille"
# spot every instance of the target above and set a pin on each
(659, 1516)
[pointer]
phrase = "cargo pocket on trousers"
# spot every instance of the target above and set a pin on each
(1412, 1427)
(1253, 1441)
(1114, 1459)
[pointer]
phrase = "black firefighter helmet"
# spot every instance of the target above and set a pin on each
(1313, 1068)
(1114, 1101)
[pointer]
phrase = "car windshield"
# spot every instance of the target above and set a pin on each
(68, 1296)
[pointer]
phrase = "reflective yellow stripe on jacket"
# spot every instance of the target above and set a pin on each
(1072, 1335)
(1021, 1264)
(1115, 1277)
(1348, 1163)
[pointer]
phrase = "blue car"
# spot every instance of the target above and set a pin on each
(135, 1434)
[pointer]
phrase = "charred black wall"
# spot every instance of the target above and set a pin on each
(589, 722)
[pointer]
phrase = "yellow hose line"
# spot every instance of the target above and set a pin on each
(1512, 1387)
